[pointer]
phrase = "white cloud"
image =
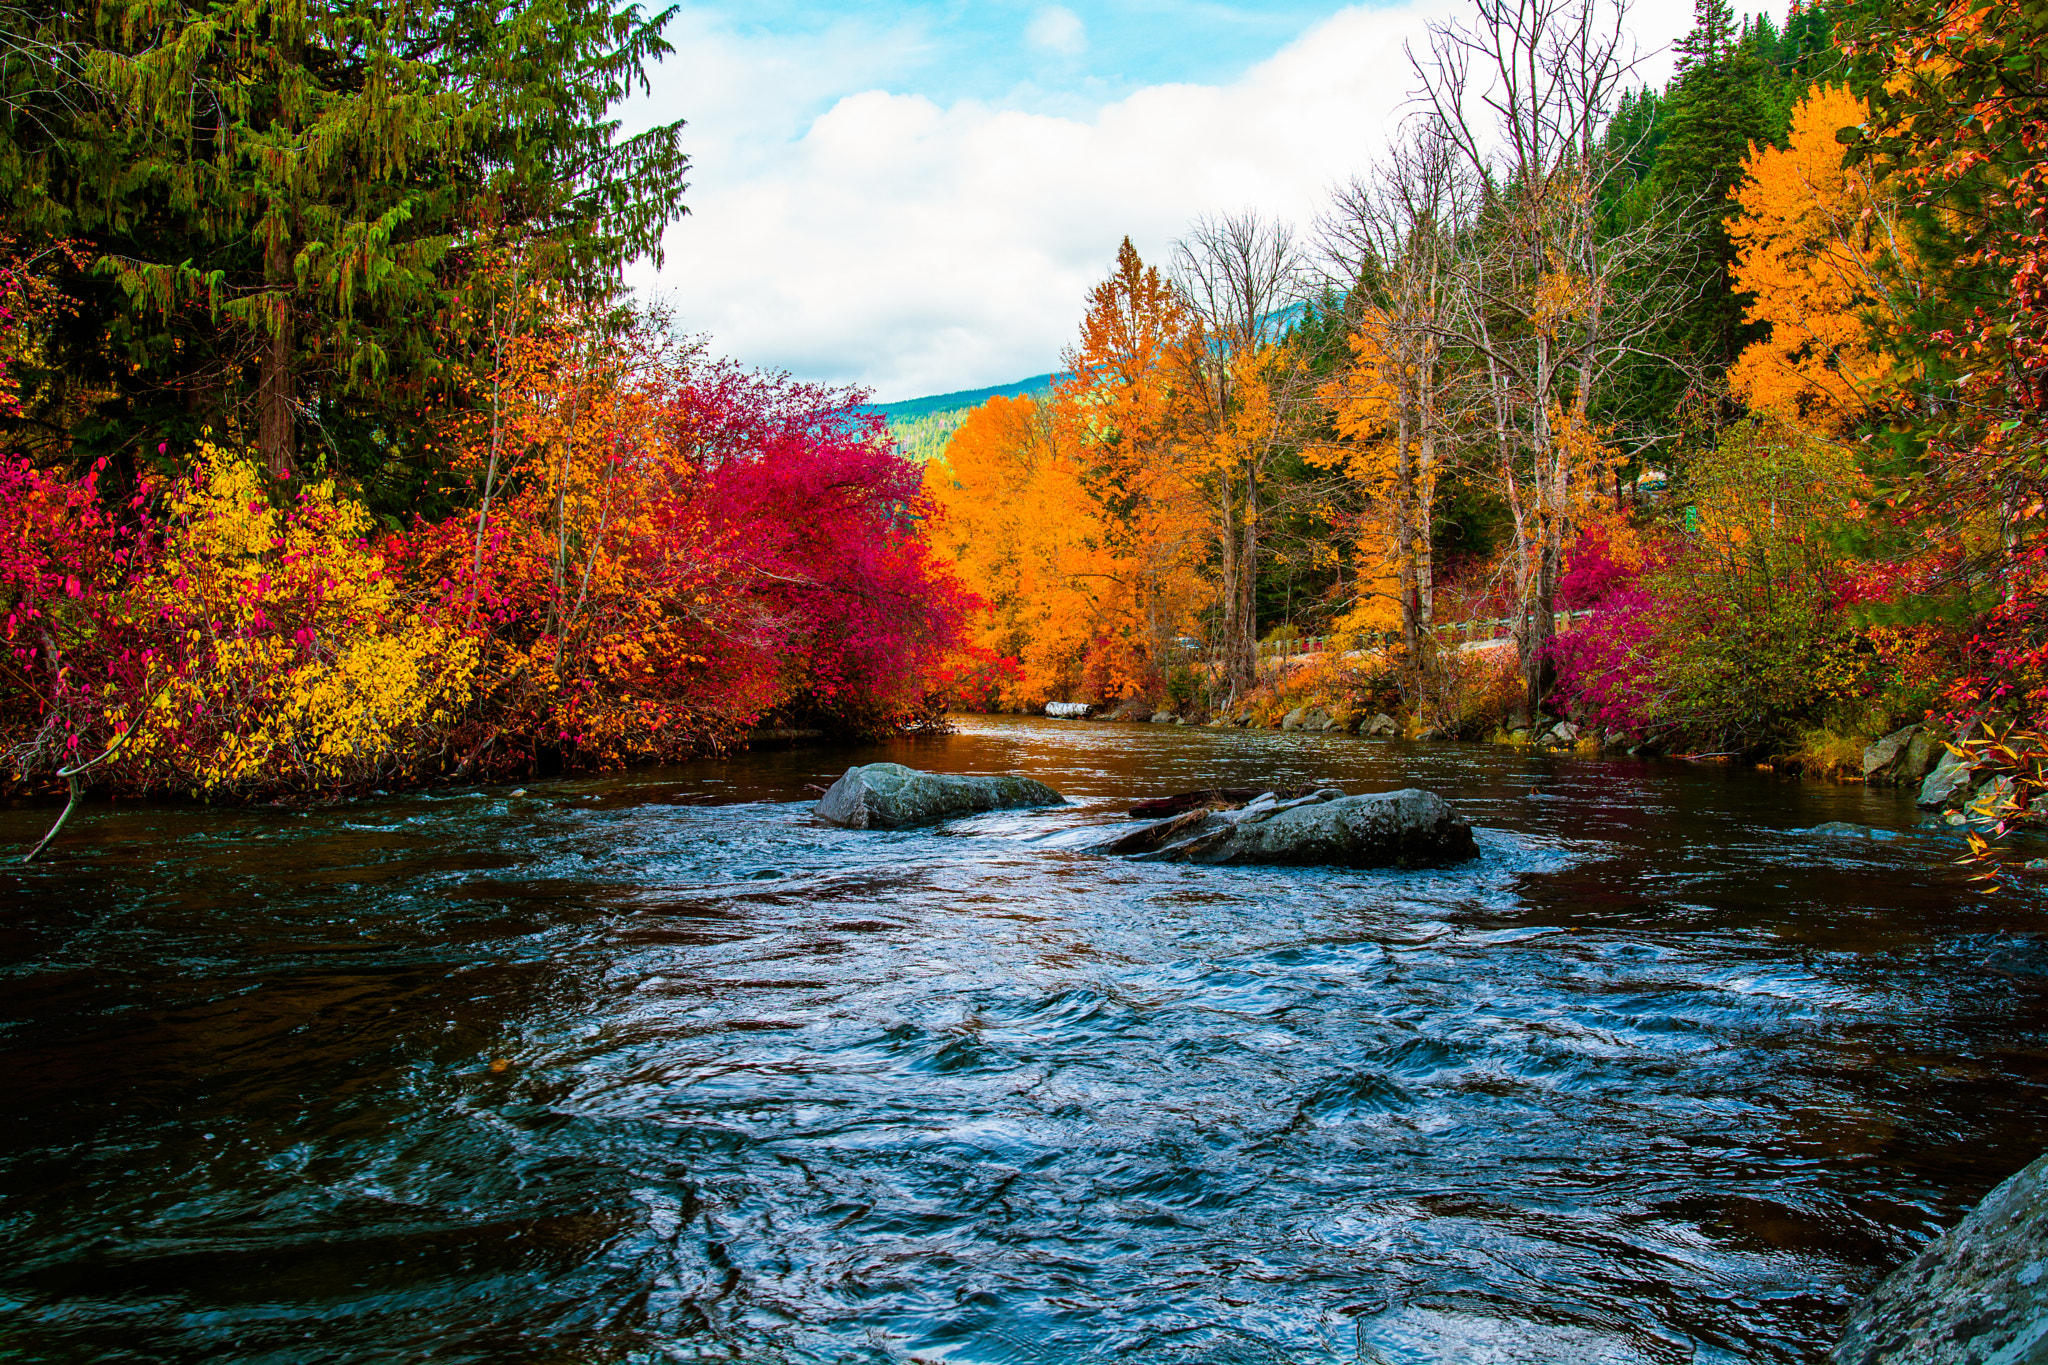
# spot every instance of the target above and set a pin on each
(918, 249)
(1057, 30)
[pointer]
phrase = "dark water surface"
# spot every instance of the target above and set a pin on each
(659, 1068)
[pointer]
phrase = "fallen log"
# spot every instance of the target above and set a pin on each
(1210, 798)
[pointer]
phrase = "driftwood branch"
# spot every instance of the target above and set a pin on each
(72, 774)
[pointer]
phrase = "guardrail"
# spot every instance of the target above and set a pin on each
(1366, 641)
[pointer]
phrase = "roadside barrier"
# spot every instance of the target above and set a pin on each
(1481, 630)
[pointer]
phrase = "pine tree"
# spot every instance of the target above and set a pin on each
(1721, 102)
(284, 203)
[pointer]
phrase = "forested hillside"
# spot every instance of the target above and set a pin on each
(1724, 398)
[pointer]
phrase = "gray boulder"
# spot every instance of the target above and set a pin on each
(1293, 719)
(1903, 757)
(1164, 718)
(891, 796)
(1407, 828)
(1948, 785)
(1317, 719)
(1993, 802)
(1881, 756)
(1977, 1296)
(1382, 726)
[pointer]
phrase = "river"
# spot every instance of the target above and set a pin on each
(655, 1067)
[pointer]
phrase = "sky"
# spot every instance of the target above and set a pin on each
(916, 198)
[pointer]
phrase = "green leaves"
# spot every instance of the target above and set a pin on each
(297, 191)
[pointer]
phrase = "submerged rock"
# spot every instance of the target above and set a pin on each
(1842, 829)
(2024, 960)
(1408, 828)
(891, 796)
(1978, 1295)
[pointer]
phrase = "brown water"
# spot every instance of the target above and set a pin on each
(657, 1068)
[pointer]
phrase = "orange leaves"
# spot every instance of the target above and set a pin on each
(1822, 249)
(1073, 519)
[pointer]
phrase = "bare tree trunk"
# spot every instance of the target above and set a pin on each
(275, 418)
(497, 434)
(1248, 582)
(1404, 538)
(1525, 94)
(1428, 420)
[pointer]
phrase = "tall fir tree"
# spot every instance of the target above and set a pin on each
(283, 205)
(1722, 100)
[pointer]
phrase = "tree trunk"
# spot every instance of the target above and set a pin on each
(1248, 583)
(275, 419)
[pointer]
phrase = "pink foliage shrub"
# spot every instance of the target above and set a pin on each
(1607, 665)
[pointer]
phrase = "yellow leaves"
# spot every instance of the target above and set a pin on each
(1821, 248)
(1561, 297)
(1069, 541)
(313, 667)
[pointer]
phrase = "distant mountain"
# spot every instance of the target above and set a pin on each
(911, 408)
(922, 426)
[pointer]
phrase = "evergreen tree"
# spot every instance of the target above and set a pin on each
(1722, 100)
(284, 206)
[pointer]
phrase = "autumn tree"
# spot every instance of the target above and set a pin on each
(1958, 126)
(1119, 410)
(1828, 258)
(1394, 237)
(1248, 401)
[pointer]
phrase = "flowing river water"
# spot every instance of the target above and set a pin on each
(656, 1067)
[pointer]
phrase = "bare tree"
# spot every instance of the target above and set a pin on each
(1393, 238)
(1246, 396)
(1544, 301)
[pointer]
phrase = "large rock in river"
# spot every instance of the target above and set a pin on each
(1408, 828)
(891, 796)
(1977, 1296)
(1903, 757)
(1948, 786)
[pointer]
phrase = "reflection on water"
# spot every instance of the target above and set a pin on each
(658, 1068)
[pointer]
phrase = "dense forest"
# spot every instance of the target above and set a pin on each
(337, 456)
(1723, 401)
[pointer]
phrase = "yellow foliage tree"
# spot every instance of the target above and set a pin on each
(1824, 251)
(1071, 518)
(1377, 456)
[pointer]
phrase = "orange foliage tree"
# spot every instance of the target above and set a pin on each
(1824, 251)
(1069, 517)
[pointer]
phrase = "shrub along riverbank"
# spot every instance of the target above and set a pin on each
(670, 554)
